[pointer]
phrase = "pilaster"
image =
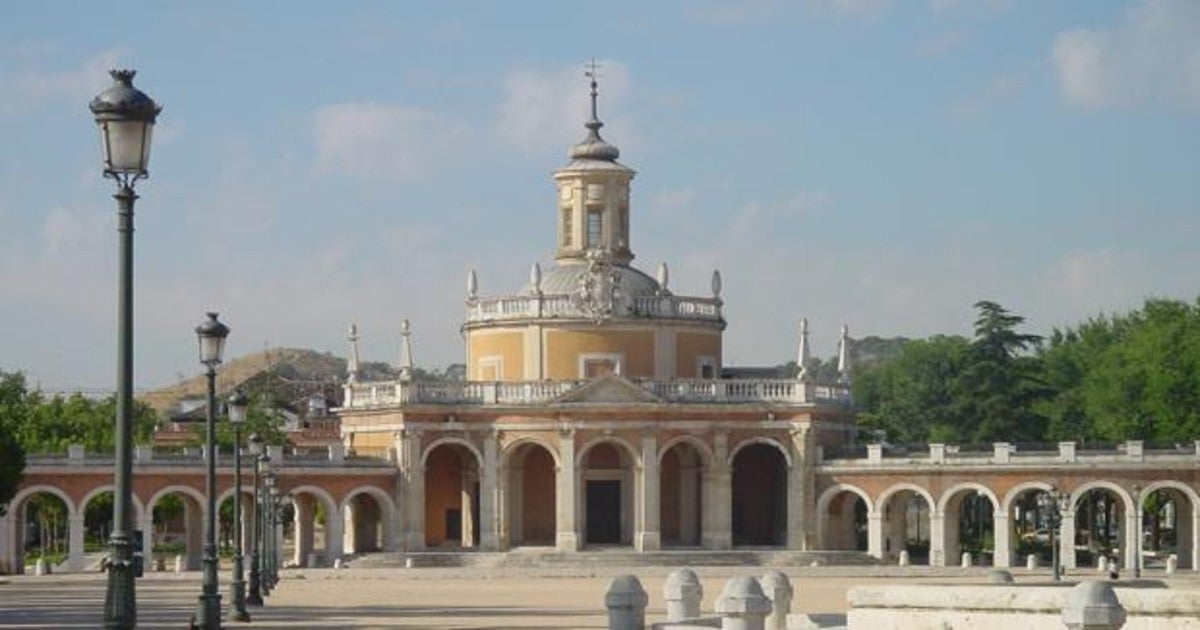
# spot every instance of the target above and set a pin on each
(718, 501)
(937, 540)
(1066, 541)
(489, 536)
(648, 536)
(75, 555)
(567, 536)
(875, 534)
(1002, 553)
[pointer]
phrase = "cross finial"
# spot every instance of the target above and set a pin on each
(592, 73)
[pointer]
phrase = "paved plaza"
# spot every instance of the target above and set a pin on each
(435, 598)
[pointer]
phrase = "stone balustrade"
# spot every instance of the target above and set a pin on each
(1004, 453)
(369, 395)
(332, 456)
(517, 307)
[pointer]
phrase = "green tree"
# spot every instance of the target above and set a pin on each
(999, 386)
(910, 396)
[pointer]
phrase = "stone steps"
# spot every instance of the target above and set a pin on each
(616, 557)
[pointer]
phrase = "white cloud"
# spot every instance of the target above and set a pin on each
(1151, 58)
(384, 140)
(30, 86)
(546, 108)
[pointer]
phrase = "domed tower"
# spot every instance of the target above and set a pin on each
(593, 313)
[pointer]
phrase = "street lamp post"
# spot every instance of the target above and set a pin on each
(269, 549)
(126, 118)
(212, 334)
(237, 404)
(256, 449)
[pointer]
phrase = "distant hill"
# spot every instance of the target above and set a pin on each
(288, 373)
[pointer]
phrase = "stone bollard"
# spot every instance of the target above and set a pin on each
(41, 567)
(778, 589)
(1102, 565)
(1031, 562)
(999, 576)
(1093, 606)
(742, 605)
(1172, 564)
(409, 563)
(683, 593)
(903, 561)
(337, 563)
(626, 603)
(179, 564)
(966, 560)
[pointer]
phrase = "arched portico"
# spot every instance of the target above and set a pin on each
(683, 464)
(905, 523)
(368, 520)
(531, 503)
(16, 526)
(968, 515)
(451, 494)
(759, 502)
(1170, 523)
(175, 515)
(314, 528)
(609, 481)
(843, 513)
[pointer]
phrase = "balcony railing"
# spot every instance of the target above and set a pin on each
(514, 307)
(394, 393)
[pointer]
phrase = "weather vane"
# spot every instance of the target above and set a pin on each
(592, 73)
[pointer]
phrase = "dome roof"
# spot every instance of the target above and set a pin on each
(565, 278)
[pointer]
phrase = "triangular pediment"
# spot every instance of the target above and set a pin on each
(609, 388)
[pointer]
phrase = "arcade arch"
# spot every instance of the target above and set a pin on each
(177, 523)
(451, 494)
(316, 525)
(531, 495)
(607, 476)
(681, 490)
(968, 515)
(368, 516)
(759, 499)
(41, 518)
(907, 522)
(843, 518)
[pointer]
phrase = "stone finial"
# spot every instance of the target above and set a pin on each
(778, 589)
(472, 285)
(1093, 606)
(844, 356)
(803, 356)
(742, 605)
(535, 278)
(716, 283)
(406, 362)
(352, 360)
(664, 276)
(626, 603)
(683, 593)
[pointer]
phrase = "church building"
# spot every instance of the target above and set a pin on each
(596, 410)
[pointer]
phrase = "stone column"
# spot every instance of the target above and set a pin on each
(1066, 541)
(1001, 540)
(146, 524)
(648, 536)
(350, 536)
(801, 491)
(1191, 523)
(302, 522)
(75, 530)
(468, 502)
(875, 534)
(334, 536)
(567, 536)
(194, 527)
(718, 500)
(412, 490)
(1132, 531)
(8, 560)
(937, 539)
(489, 536)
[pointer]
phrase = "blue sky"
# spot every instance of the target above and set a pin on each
(883, 164)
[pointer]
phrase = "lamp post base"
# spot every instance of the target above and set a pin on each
(120, 604)
(238, 612)
(208, 612)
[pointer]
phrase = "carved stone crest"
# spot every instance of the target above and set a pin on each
(599, 294)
